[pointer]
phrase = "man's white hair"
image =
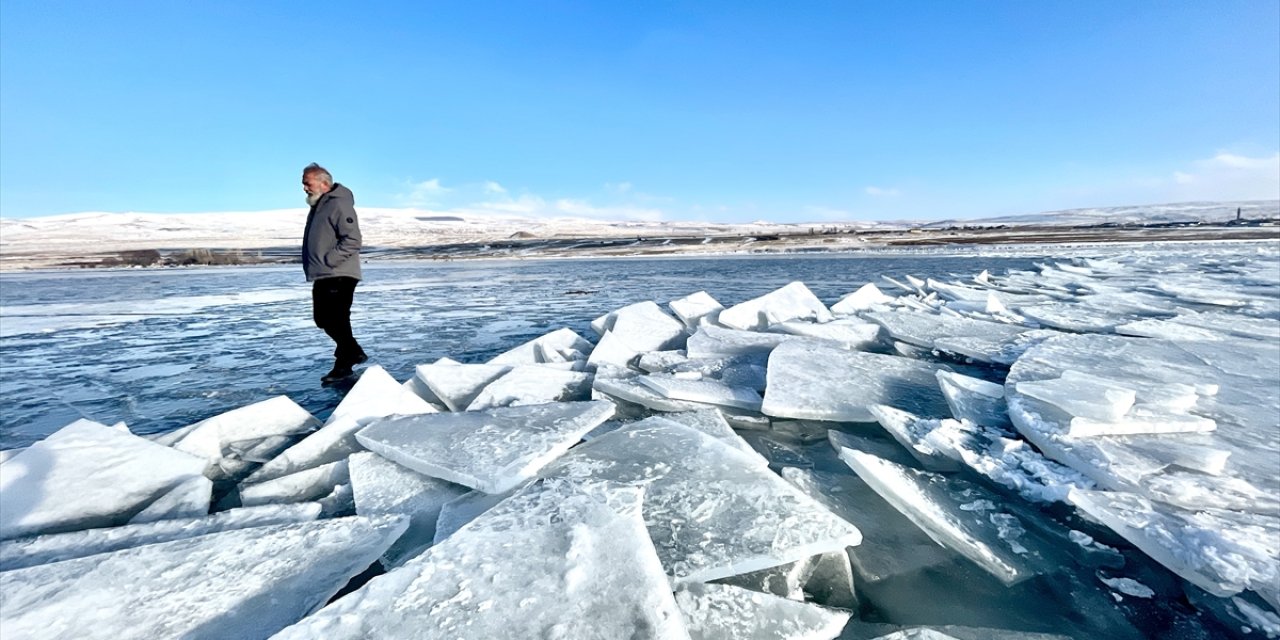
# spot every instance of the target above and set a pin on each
(314, 169)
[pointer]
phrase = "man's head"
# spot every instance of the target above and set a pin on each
(316, 182)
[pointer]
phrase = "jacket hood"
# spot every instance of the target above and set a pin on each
(342, 193)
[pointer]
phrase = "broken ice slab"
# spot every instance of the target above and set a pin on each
(785, 580)
(612, 351)
(492, 450)
(536, 351)
(1222, 552)
(953, 632)
(383, 487)
(340, 503)
(632, 390)
(87, 475)
(713, 423)
(747, 370)
(457, 512)
(29, 552)
(924, 329)
(532, 384)
(247, 583)
(190, 499)
(954, 514)
(1078, 317)
(711, 342)
(556, 560)
(458, 384)
(726, 612)
(1001, 350)
(851, 333)
(217, 439)
(814, 380)
(976, 400)
(868, 296)
(1094, 399)
(792, 302)
(1140, 422)
(694, 307)
(704, 391)
(1184, 452)
(910, 431)
(711, 510)
(643, 326)
(659, 361)
(377, 394)
(302, 486)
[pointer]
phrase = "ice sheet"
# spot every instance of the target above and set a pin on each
(852, 333)
(580, 565)
(492, 450)
(458, 384)
(868, 296)
(302, 486)
(694, 307)
(382, 487)
(725, 612)
(533, 384)
(190, 499)
(792, 302)
(704, 391)
(223, 440)
(536, 351)
(711, 342)
(978, 401)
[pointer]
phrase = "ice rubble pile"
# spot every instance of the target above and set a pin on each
(775, 469)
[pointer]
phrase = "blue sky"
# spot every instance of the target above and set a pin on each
(727, 111)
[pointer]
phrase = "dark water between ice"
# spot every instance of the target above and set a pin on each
(162, 349)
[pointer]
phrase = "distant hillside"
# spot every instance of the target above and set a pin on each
(1135, 214)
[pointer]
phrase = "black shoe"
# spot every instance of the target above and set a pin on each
(360, 359)
(339, 372)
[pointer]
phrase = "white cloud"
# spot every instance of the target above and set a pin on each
(880, 192)
(493, 187)
(1228, 176)
(618, 187)
(424, 193)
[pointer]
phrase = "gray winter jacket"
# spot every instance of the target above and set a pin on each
(331, 242)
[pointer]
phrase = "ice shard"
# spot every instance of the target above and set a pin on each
(851, 333)
(247, 583)
(814, 380)
(532, 384)
(924, 329)
(221, 439)
(711, 510)
(301, 486)
(382, 487)
(632, 390)
(492, 450)
(704, 391)
(28, 552)
(458, 384)
(87, 475)
(536, 351)
(976, 400)
(556, 560)
(726, 612)
(190, 499)
(866, 297)
(710, 342)
(694, 307)
(792, 302)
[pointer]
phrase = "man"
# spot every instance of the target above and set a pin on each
(331, 261)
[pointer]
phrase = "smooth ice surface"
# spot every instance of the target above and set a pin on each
(712, 423)
(87, 475)
(383, 487)
(726, 612)
(238, 441)
(458, 384)
(868, 296)
(457, 512)
(711, 341)
(924, 329)
(28, 552)
(815, 380)
(705, 391)
(910, 431)
(1140, 422)
(536, 351)
(632, 390)
(377, 394)
(492, 450)
(1084, 399)
(975, 400)
(247, 583)
(852, 333)
(558, 560)
(694, 307)
(711, 510)
(1222, 552)
(644, 326)
(792, 302)
(189, 499)
(612, 351)
(975, 534)
(532, 384)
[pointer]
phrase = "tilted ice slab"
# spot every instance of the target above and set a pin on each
(792, 302)
(642, 326)
(852, 333)
(705, 391)
(457, 512)
(375, 395)
(1222, 552)
(910, 431)
(747, 370)
(710, 341)
(725, 612)
(1003, 350)
(29, 552)
(712, 423)
(458, 384)
(694, 307)
(612, 351)
(538, 350)
(190, 499)
(978, 401)
(817, 381)
(992, 541)
(238, 441)
(632, 390)
(1138, 422)
(382, 487)
(923, 329)
(868, 296)
(247, 583)
(531, 384)
(556, 560)
(711, 510)
(1081, 398)
(87, 475)
(492, 450)
(302, 486)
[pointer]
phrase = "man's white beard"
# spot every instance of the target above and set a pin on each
(313, 198)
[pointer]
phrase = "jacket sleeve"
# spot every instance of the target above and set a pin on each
(346, 226)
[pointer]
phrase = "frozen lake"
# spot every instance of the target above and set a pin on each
(163, 349)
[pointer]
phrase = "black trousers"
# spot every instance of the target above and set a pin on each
(331, 308)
